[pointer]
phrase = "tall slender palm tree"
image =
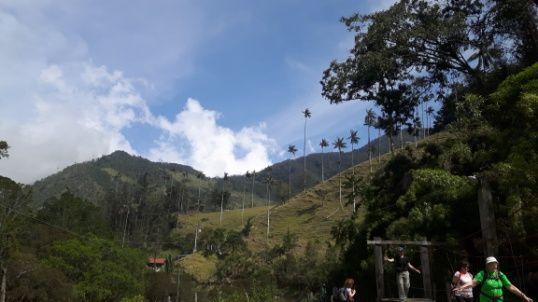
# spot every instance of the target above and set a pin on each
(291, 150)
(353, 140)
(340, 144)
(369, 121)
(429, 113)
(323, 144)
(243, 199)
(200, 177)
(252, 176)
(307, 114)
(268, 183)
(378, 126)
(224, 180)
(183, 206)
(422, 118)
(248, 175)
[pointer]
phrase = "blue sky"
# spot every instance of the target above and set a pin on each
(176, 81)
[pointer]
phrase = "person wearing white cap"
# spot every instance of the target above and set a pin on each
(493, 281)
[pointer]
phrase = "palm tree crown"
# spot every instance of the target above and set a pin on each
(307, 113)
(353, 137)
(292, 150)
(370, 118)
(339, 144)
(324, 143)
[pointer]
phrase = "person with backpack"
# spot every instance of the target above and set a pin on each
(347, 292)
(492, 283)
(463, 277)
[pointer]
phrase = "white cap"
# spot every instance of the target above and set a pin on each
(491, 259)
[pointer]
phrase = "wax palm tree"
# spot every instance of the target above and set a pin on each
(340, 144)
(243, 199)
(224, 180)
(252, 177)
(369, 121)
(378, 126)
(291, 150)
(323, 144)
(268, 184)
(183, 206)
(353, 140)
(200, 177)
(429, 113)
(307, 114)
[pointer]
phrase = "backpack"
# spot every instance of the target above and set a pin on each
(342, 295)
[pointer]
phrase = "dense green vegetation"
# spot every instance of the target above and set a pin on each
(84, 233)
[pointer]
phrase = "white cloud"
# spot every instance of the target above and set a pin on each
(209, 147)
(59, 107)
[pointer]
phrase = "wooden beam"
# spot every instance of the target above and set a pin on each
(399, 242)
(426, 273)
(380, 286)
(487, 218)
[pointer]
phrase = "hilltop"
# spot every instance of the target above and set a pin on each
(120, 173)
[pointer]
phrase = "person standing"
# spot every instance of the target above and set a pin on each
(463, 277)
(346, 293)
(402, 266)
(492, 282)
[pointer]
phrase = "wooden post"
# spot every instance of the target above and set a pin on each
(426, 273)
(487, 218)
(378, 253)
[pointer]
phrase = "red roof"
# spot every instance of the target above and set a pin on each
(156, 260)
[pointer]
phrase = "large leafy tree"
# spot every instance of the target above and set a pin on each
(101, 269)
(437, 43)
(14, 202)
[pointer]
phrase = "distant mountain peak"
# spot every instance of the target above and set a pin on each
(119, 153)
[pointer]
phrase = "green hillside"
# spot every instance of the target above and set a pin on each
(310, 214)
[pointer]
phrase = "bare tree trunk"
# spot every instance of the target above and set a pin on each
(369, 150)
(422, 119)
(322, 156)
(221, 206)
(195, 248)
(304, 156)
(243, 204)
(268, 211)
(177, 286)
(379, 145)
(340, 179)
(252, 191)
(353, 171)
(125, 226)
(3, 287)
(401, 137)
(289, 179)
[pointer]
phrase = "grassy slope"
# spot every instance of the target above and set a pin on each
(310, 214)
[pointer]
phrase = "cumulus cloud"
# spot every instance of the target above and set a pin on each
(212, 148)
(59, 107)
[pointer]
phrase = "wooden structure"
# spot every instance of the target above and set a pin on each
(424, 263)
